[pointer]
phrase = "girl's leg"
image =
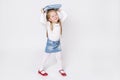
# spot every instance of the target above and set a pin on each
(41, 70)
(59, 60)
(59, 64)
(43, 62)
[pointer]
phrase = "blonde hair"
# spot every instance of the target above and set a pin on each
(51, 25)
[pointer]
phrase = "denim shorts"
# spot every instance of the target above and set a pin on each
(52, 46)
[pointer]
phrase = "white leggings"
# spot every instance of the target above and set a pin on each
(45, 58)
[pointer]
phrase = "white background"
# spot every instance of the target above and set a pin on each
(90, 41)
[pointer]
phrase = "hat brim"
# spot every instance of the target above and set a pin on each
(53, 6)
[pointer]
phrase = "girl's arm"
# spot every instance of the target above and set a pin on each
(43, 20)
(42, 17)
(62, 15)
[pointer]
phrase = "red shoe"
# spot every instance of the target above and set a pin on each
(62, 72)
(43, 73)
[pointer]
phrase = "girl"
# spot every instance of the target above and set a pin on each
(52, 19)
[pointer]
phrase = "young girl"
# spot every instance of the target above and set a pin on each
(53, 20)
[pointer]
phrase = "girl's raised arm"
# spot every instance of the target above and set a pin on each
(62, 15)
(42, 17)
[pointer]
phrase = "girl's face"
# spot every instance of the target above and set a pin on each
(53, 16)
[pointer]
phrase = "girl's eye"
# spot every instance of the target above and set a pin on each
(54, 16)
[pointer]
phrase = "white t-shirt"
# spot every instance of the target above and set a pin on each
(54, 34)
